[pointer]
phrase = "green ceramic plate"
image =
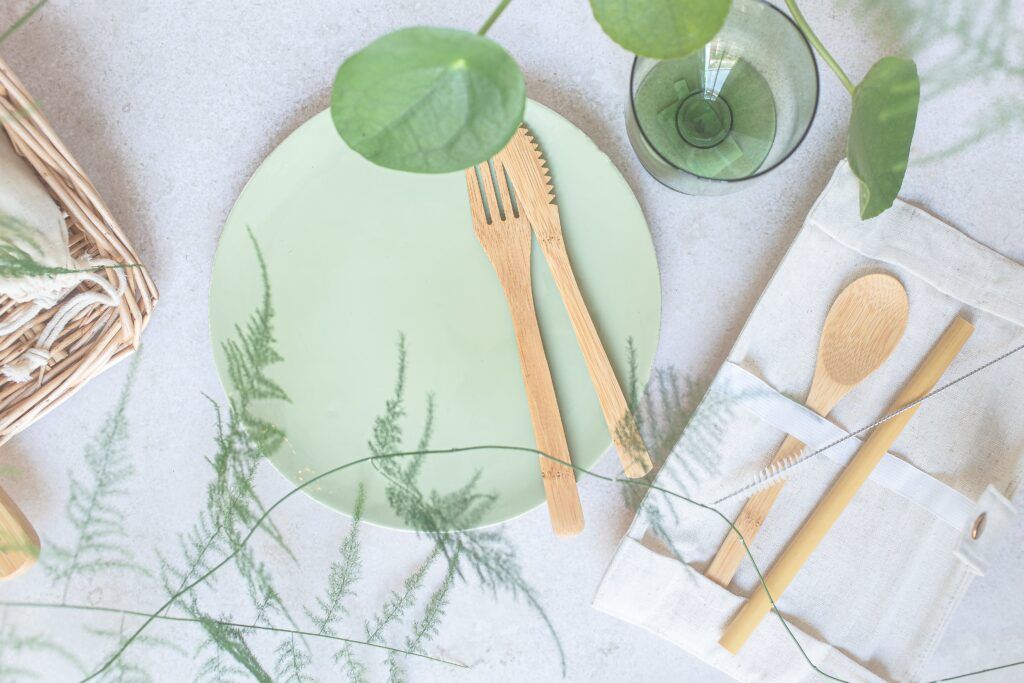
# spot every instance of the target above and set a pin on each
(358, 255)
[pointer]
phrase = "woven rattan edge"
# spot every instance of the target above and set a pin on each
(100, 337)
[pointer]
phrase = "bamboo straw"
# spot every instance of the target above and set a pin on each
(846, 486)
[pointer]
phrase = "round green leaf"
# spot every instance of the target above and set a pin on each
(881, 129)
(428, 100)
(661, 29)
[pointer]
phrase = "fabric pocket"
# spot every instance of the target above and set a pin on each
(877, 594)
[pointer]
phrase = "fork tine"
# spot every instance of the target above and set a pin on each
(477, 201)
(510, 190)
(487, 173)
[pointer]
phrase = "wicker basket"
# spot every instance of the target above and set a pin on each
(100, 336)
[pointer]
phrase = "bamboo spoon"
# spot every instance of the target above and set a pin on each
(846, 486)
(507, 240)
(19, 543)
(862, 328)
(527, 168)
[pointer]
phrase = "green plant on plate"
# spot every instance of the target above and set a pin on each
(434, 100)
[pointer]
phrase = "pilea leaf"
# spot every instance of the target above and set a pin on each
(428, 100)
(881, 129)
(661, 29)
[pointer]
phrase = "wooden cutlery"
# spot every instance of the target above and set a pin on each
(862, 328)
(853, 476)
(19, 543)
(505, 236)
(525, 165)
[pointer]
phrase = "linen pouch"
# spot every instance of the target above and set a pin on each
(874, 598)
(31, 224)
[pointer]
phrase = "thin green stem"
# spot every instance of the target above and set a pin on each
(493, 18)
(798, 17)
(983, 671)
(255, 627)
(21, 21)
(245, 539)
(616, 480)
(521, 449)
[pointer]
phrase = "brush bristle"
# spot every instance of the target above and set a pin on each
(775, 472)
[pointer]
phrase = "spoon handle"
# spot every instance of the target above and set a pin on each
(838, 497)
(863, 326)
(19, 543)
(727, 560)
(824, 396)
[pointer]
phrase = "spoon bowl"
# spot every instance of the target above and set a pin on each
(862, 328)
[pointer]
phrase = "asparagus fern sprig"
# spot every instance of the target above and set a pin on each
(344, 574)
(95, 506)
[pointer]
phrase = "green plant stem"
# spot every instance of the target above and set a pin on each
(982, 671)
(493, 18)
(521, 449)
(255, 627)
(465, 449)
(21, 21)
(798, 17)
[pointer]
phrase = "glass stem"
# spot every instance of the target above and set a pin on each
(494, 17)
(798, 17)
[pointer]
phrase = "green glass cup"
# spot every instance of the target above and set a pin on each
(716, 120)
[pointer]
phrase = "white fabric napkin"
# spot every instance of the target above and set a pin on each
(31, 222)
(875, 597)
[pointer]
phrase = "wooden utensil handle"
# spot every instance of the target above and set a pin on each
(19, 543)
(636, 461)
(559, 480)
(845, 487)
(727, 560)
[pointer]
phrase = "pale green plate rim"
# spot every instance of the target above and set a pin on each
(585, 460)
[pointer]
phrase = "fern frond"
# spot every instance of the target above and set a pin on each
(292, 664)
(232, 504)
(343, 575)
(395, 608)
(415, 464)
(21, 654)
(126, 670)
(428, 626)
(399, 602)
(15, 260)
(253, 349)
(633, 378)
(95, 505)
(355, 670)
(230, 640)
(487, 554)
(387, 427)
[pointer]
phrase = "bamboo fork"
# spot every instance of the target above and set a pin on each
(506, 238)
(525, 165)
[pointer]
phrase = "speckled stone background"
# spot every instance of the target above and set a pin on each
(171, 105)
